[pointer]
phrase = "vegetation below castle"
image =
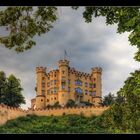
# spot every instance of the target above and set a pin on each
(59, 124)
(52, 124)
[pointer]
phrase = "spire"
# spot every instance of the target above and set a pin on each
(65, 55)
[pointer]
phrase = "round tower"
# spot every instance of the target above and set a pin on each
(63, 95)
(40, 87)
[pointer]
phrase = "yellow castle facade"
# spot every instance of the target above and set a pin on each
(66, 83)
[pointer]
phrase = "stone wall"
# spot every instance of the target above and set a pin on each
(9, 113)
(86, 111)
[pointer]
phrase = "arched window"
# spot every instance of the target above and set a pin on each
(78, 90)
(78, 82)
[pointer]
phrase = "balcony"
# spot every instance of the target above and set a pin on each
(78, 94)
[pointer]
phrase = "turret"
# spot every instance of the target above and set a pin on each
(40, 87)
(63, 95)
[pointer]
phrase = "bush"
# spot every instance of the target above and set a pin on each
(87, 103)
(70, 103)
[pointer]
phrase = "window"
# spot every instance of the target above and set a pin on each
(51, 91)
(90, 85)
(55, 90)
(78, 82)
(78, 90)
(55, 75)
(48, 91)
(94, 79)
(41, 100)
(90, 93)
(55, 82)
(86, 84)
(68, 81)
(86, 92)
(43, 84)
(51, 82)
(63, 85)
(55, 98)
(47, 100)
(43, 92)
(94, 85)
(94, 93)
(68, 89)
(48, 84)
(63, 71)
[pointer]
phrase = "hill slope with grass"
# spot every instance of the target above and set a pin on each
(53, 124)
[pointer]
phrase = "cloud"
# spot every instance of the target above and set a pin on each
(87, 44)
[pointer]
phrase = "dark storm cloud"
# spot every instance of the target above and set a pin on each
(87, 45)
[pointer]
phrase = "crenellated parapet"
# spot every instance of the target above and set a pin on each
(97, 70)
(8, 113)
(41, 69)
(86, 111)
(9, 108)
(63, 62)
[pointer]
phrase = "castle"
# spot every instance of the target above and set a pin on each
(67, 83)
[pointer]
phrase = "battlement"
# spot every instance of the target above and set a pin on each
(8, 113)
(97, 70)
(41, 69)
(86, 111)
(63, 62)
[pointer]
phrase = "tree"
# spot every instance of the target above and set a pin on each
(70, 103)
(10, 90)
(124, 114)
(23, 23)
(108, 99)
(2, 85)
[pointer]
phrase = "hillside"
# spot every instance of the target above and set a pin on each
(53, 124)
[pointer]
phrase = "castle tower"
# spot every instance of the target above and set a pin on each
(97, 83)
(63, 94)
(40, 87)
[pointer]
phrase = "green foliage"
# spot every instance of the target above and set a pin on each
(23, 23)
(56, 105)
(108, 99)
(124, 114)
(10, 90)
(70, 103)
(2, 86)
(52, 124)
(86, 103)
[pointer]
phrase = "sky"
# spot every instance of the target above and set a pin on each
(87, 44)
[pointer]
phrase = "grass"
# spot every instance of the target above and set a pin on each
(52, 124)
